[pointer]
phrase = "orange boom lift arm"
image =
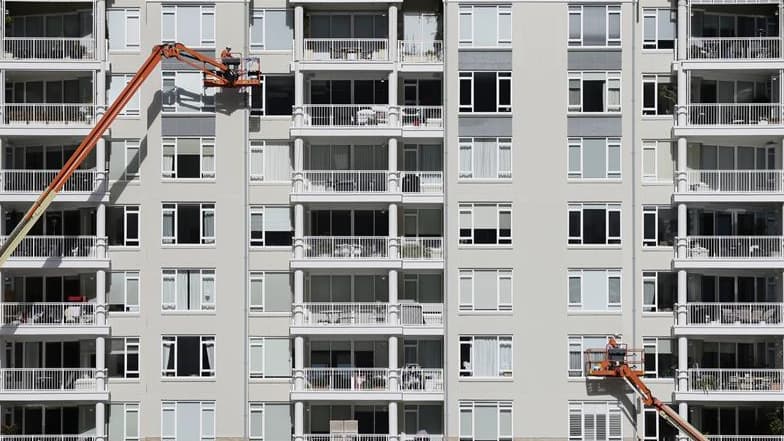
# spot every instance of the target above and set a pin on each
(619, 362)
(225, 72)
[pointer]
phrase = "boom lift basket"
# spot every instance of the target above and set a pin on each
(604, 362)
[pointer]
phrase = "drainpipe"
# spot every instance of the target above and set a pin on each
(245, 267)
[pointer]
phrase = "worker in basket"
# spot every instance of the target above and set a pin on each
(232, 62)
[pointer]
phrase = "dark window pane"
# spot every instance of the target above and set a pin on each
(614, 228)
(465, 92)
(593, 96)
(666, 295)
(188, 166)
(188, 356)
(277, 238)
(574, 226)
(115, 225)
(257, 100)
(279, 95)
(485, 236)
(188, 224)
(648, 97)
(667, 226)
(667, 99)
(594, 226)
(649, 226)
(505, 92)
(485, 92)
(133, 228)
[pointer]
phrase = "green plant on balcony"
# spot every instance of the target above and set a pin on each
(415, 251)
(9, 429)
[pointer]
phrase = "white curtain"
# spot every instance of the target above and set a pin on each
(505, 356)
(485, 158)
(194, 291)
(466, 166)
(182, 290)
(278, 164)
(167, 354)
(209, 348)
(168, 224)
(208, 159)
(485, 356)
(209, 224)
(207, 291)
(168, 291)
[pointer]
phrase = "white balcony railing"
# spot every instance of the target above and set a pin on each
(48, 48)
(48, 379)
(373, 379)
(745, 437)
(734, 114)
(346, 49)
(428, 437)
(734, 314)
(421, 248)
(342, 437)
(346, 247)
(46, 114)
(47, 438)
(422, 117)
(35, 181)
(734, 48)
(371, 314)
(734, 247)
(47, 314)
(348, 181)
(346, 115)
(735, 380)
(422, 181)
(57, 246)
(420, 52)
(734, 181)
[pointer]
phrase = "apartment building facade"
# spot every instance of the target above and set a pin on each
(411, 231)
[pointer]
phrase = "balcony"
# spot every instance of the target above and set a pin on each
(727, 318)
(50, 384)
(345, 50)
(734, 48)
(420, 52)
(380, 318)
(732, 251)
(369, 251)
(422, 117)
(27, 184)
(732, 384)
(358, 119)
(49, 115)
(48, 438)
(730, 186)
(734, 114)
(346, 115)
(372, 383)
(375, 437)
(56, 318)
(372, 185)
(48, 48)
(72, 251)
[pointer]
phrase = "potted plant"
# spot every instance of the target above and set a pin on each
(707, 383)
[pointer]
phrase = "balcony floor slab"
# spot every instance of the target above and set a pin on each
(729, 330)
(367, 330)
(722, 131)
(714, 396)
(44, 263)
(44, 395)
(321, 132)
(349, 66)
(739, 64)
(727, 264)
(365, 396)
(346, 263)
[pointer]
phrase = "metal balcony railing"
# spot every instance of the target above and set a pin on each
(422, 117)
(421, 248)
(49, 114)
(734, 314)
(745, 437)
(47, 438)
(346, 247)
(345, 181)
(346, 49)
(332, 314)
(48, 48)
(346, 115)
(421, 380)
(734, 247)
(420, 52)
(57, 246)
(373, 379)
(422, 181)
(376, 437)
(36, 181)
(735, 380)
(734, 181)
(48, 380)
(47, 314)
(422, 314)
(734, 48)
(734, 114)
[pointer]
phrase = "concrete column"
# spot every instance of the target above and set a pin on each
(683, 95)
(100, 92)
(683, 364)
(299, 164)
(100, 29)
(393, 366)
(683, 411)
(394, 241)
(682, 232)
(299, 296)
(100, 297)
(393, 430)
(100, 229)
(394, 307)
(682, 157)
(299, 417)
(299, 97)
(100, 363)
(299, 363)
(101, 179)
(393, 32)
(394, 176)
(299, 31)
(100, 421)
(683, 290)
(394, 106)
(683, 29)
(299, 231)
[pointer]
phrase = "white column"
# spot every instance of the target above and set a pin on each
(299, 164)
(682, 232)
(299, 418)
(392, 166)
(394, 108)
(392, 32)
(683, 364)
(683, 291)
(393, 430)
(394, 307)
(683, 411)
(299, 363)
(299, 296)
(299, 31)
(100, 229)
(101, 178)
(683, 29)
(394, 235)
(99, 32)
(681, 166)
(683, 96)
(299, 231)
(393, 365)
(100, 421)
(100, 297)
(299, 97)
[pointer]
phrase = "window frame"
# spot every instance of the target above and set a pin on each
(471, 405)
(132, 109)
(128, 308)
(500, 341)
(653, 342)
(609, 207)
(204, 10)
(610, 273)
(647, 45)
(206, 102)
(501, 273)
(653, 210)
(129, 211)
(204, 209)
(610, 75)
(128, 344)
(501, 10)
(205, 405)
(257, 341)
(609, 143)
(262, 243)
(501, 143)
(204, 143)
(572, 341)
(577, 410)
(610, 10)
(205, 274)
(127, 13)
(204, 341)
(656, 79)
(652, 276)
(500, 76)
(501, 207)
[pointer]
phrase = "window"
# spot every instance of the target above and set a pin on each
(660, 358)
(124, 159)
(488, 92)
(485, 224)
(594, 290)
(187, 356)
(123, 291)
(270, 226)
(485, 356)
(123, 422)
(123, 29)
(485, 420)
(184, 92)
(270, 292)
(116, 84)
(485, 25)
(270, 161)
(188, 224)
(269, 421)
(659, 226)
(485, 290)
(594, 25)
(594, 224)
(122, 358)
(188, 158)
(657, 428)
(594, 158)
(658, 95)
(659, 291)
(659, 28)
(188, 421)
(485, 158)
(188, 290)
(275, 96)
(193, 26)
(271, 29)
(595, 421)
(270, 357)
(578, 344)
(122, 225)
(595, 92)
(658, 163)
